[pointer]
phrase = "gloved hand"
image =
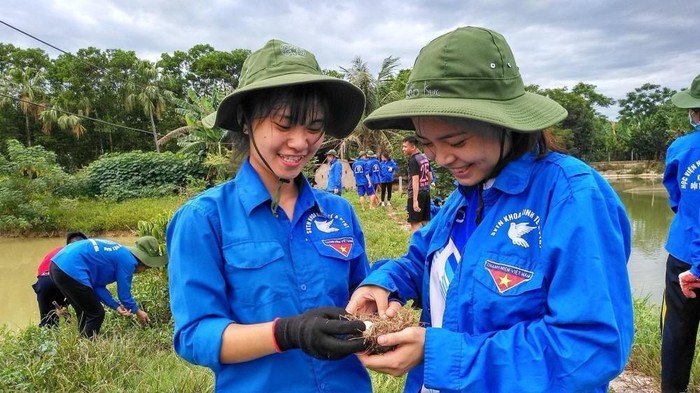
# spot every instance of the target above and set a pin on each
(316, 333)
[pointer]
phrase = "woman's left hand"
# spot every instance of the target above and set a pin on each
(409, 352)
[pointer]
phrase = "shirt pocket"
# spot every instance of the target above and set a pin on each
(256, 273)
(338, 256)
(507, 290)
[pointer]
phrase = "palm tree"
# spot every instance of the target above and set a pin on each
(150, 98)
(378, 91)
(197, 139)
(23, 88)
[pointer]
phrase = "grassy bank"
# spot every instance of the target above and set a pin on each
(128, 358)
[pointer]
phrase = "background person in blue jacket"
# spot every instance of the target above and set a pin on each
(387, 170)
(681, 306)
(375, 176)
(523, 273)
(363, 182)
(262, 265)
(335, 173)
(83, 269)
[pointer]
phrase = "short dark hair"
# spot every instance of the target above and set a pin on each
(73, 234)
(411, 139)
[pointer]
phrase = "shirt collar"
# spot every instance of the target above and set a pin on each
(514, 177)
(253, 192)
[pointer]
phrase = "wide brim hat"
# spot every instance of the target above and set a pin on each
(688, 98)
(147, 250)
(279, 64)
(332, 152)
(468, 73)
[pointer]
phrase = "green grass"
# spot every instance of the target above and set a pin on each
(103, 215)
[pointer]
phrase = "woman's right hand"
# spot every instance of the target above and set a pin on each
(370, 299)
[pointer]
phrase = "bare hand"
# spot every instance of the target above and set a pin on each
(143, 317)
(409, 352)
(123, 311)
(416, 207)
(688, 283)
(370, 299)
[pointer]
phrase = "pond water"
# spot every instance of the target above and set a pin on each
(644, 199)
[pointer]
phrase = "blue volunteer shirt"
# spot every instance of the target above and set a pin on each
(360, 170)
(553, 234)
(335, 176)
(96, 263)
(387, 170)
(374, 170)
(682, 181)
(233, 261)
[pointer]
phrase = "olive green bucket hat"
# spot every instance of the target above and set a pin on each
(468, 73)
(147, 250)
(279, 64)
(688, 98)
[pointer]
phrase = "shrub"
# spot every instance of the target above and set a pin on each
(135, 174)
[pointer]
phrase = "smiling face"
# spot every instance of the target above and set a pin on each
(469, 149)
(286, 146)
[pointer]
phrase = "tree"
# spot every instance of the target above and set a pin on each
(584, 127)
(378, 91)
(24, 89)
(648, 115)
(148, 97)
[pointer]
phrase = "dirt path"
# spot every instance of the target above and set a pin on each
(633, 382)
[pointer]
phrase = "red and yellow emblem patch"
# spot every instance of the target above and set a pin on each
(342, 244)
(505, 276)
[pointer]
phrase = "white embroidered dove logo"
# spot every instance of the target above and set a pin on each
(517, 231)
(325, 226)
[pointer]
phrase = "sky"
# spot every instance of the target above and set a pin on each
(616, 45)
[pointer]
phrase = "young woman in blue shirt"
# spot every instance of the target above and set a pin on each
(522, 276)
(262, 264)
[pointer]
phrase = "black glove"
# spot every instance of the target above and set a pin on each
(316, 333)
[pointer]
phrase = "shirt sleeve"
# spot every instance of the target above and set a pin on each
(197, 296)
(403, 276)
(670, 180)
(573, 344)
(125, 276)
(105, 297)
(695, 251)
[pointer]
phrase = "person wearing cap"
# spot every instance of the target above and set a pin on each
(374, 176)
(523, 273)
(82, 271)
(262, 265)
(335, 173)
(681, 305)
(419, 179)
(387, 170)
(363, 181)
(52, 303)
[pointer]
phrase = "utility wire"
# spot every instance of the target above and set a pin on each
(82, 61)
(70, 54)
(75, 114)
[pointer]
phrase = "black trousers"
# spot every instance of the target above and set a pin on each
(386, 190)
(88, 308)
(679, 327)
(46, 294)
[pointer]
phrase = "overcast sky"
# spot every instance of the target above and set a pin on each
(617, 45)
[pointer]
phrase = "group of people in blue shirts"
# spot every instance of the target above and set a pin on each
(373, 176)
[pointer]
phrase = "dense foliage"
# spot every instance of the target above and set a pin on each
(93, 102)
(136, 174)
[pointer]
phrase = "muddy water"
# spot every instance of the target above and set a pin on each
(19, 259)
